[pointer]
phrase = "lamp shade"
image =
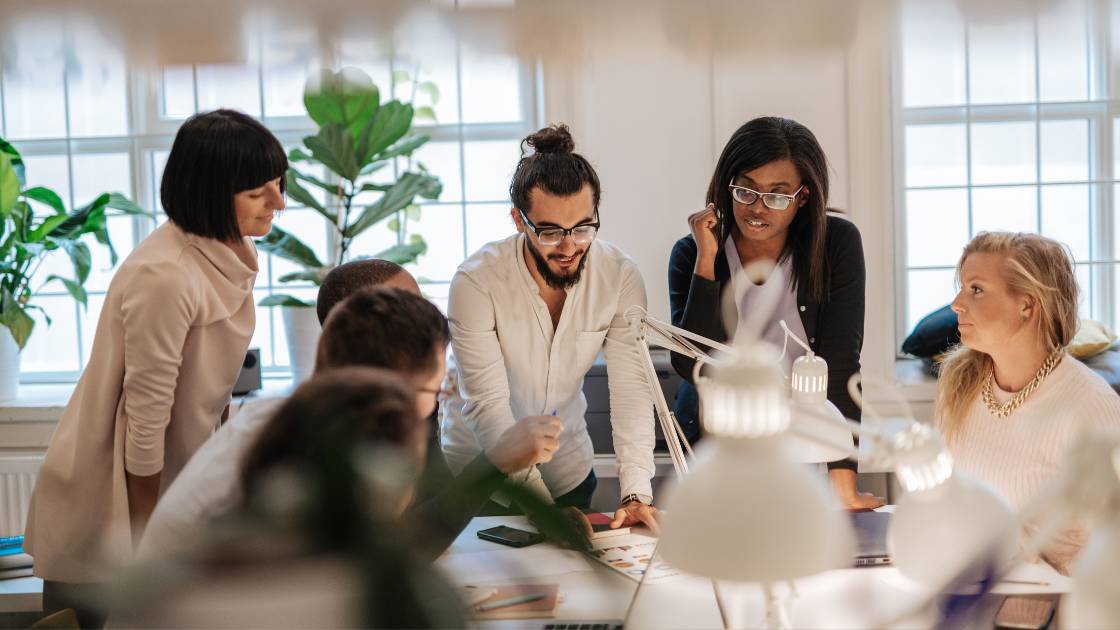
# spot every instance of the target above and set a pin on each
(824, 421)
(1095, 600)
(936, 533)
(748, 512)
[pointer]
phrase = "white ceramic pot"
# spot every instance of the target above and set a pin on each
(9, 366)
(301, 326)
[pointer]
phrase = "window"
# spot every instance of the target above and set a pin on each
(1005, 121)
(86, 122)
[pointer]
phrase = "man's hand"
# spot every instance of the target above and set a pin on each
(844, 484)
(530, 441)
(637, 513)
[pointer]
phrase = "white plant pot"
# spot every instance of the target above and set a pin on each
(9, 366)
(301, 326)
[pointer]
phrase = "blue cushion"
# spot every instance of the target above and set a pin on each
(936, 333)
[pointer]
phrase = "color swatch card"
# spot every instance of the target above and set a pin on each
(633, 555)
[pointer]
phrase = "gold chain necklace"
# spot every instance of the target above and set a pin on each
(1004, 410)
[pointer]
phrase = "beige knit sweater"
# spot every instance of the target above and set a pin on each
(172, 336)
(1019, 454)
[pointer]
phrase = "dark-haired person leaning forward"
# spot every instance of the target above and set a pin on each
(170, 341)
(530, 313)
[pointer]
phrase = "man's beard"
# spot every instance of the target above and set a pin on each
(552, 279)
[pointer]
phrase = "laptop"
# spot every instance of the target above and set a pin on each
(871, 538)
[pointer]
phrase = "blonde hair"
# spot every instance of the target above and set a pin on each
(1036, 266)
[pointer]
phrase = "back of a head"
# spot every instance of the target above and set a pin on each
(214, 156)
(349, 278)
(1035, 266)
(386, 328)
(554, 166)
(328, 417)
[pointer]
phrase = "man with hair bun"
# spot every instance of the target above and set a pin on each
(529, 314)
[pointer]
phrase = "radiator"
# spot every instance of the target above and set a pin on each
(17, 480)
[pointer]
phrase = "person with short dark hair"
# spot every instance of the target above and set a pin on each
(529, 314)
(351, 277)
(767, 203)
(382, 327)
(177, 320)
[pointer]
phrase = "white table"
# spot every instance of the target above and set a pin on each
(846, 598)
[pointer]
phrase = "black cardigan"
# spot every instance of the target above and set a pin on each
(834, 326)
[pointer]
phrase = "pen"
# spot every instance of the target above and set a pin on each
(510, 601)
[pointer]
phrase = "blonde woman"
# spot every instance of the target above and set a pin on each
(1010, 400)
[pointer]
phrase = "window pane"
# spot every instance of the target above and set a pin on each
(932, 54)
(927, 291)
(96, 173)
(89, 318)
(436, 68)
(231, 86)
(1003, 153)
(288, 59)
(1065, 150)
(1065, 217)
(489, 167)
(281, 352)
(442, 160)
(487, 223)
(156, 161)
(1086, 297)
(437, 293)
(1001, 61)
(368, 56)
(54, 348)
(442, 229)
(936, 227)
(1005, 209)
(491, 87)
(1063, 49)
(178, 91)
(34, 97)
(935, 155)
(51, 171)
(262, 334)
(121, 233)
(376, 239)
(98, 90)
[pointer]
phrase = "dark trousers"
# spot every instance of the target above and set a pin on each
(578, 497)
(86, 600)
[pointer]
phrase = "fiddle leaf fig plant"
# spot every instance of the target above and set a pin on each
(358, 135)
(34, 222)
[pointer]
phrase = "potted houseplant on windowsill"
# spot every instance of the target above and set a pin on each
(27, 237)
(358, 135)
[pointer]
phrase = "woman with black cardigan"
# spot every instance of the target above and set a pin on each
(767, 202)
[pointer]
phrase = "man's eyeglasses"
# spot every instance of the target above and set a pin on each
(774, 201)
(550, 236)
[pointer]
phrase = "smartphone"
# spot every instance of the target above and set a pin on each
(509, 536)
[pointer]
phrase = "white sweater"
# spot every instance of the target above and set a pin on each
(1019, 454)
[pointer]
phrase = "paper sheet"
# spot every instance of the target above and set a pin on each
(632, 555)
(511, 564)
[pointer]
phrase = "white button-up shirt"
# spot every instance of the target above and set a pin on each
(512, 364)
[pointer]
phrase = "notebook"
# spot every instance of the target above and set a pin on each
(601, 526)
(871, 538)
(544, 608)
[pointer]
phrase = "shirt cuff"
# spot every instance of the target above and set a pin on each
(143, 460)
(635, 483)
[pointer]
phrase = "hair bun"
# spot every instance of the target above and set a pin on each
(552, 139)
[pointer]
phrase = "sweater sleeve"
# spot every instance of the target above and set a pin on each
(840, 328)
(157, 310)
(693, 301)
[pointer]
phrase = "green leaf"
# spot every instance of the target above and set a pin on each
(9, 184)
(310, 275)
(401, 76)
(425, 112)
(301, 195)
(405, 147)
(394, 225)
(347, 98)
(299, 155)
(80, 257)
(334, 148)
(14, 317)
(429, 88)
(373, 167)
(16, 160)
(280, 243)
(375, 187)
(403, 254)
(46, 227)
(117, 201)
(75, 290)
(47, 196)
(391, 122)
(85, 220)
(284, 300)
(398, 197)
(334, 190)
(412, 212)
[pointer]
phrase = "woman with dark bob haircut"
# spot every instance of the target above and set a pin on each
(170, 341)
(768, 202)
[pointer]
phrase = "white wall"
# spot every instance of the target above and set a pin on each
(651, 105)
